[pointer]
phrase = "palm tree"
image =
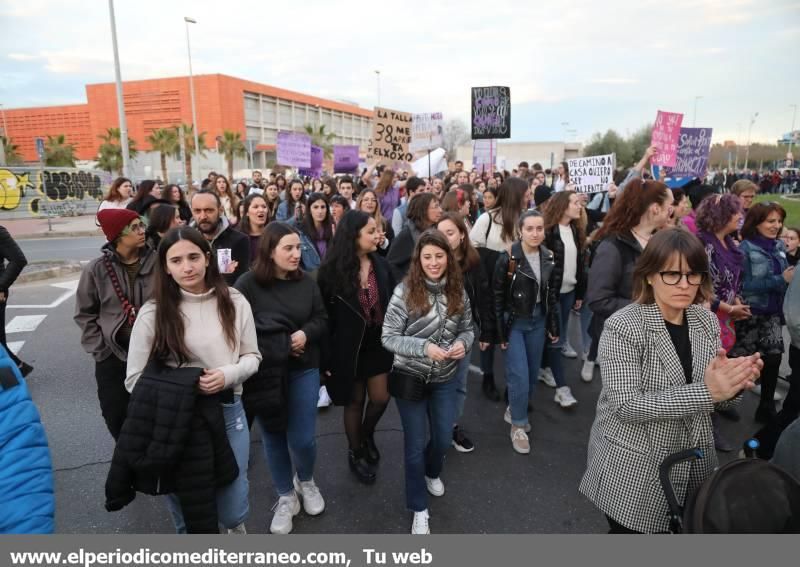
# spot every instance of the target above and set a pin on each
(188, 144)
(58, 153)
(321, 139)
(13, 157)
(231, 145)
(165, 142)
(110, 152)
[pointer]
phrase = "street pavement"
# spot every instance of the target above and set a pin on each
(75, 249)
(492, 490)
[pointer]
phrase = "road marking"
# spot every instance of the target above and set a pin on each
(15, 346)
(24, 323)
(71, 287)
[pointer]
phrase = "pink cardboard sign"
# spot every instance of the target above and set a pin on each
(666, 131)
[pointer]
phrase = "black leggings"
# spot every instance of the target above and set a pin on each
(110, 376)
(13, 356)
(358, 422)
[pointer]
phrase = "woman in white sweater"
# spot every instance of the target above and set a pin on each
(196, 320)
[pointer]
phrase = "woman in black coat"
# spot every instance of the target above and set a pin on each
(423, 212)
(12, 260)
(356, 285)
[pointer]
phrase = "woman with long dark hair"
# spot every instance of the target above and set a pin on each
(280, 292)
(484, 320)
(423, 212)
(388, 192)
(368, 202)
(293, 206)
(196, 320)
(766, 275)
(229, 201)
(119, 194)
(316, 232)
(561, 182)
(161, 219)
(273, 198)
(174, 194)
(428, 327)
(356, 284)
(147, 192)
(493, 234)
(255, 216)
(642, 209)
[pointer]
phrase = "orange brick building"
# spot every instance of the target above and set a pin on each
(255, 110)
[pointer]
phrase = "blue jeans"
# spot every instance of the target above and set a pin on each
(425, 457)
(233, 505)
(565, 301)
(523, 358)
(586, 319)
(462, 373)
(299, 437)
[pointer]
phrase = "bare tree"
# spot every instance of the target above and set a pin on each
(454, 134)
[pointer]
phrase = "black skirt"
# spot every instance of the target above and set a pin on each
(373, 359)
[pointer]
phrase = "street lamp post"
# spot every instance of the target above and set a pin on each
(791, 132)
(123, 123)
(5, 127)
(378, 76)
(749, 131)
(694, 116)
(195, 164)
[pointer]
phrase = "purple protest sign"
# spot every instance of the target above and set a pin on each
(484, 153)
(316, 163)
(294, 149)
(666, 131)
(491, 112)
(345, 159)
(692, 154)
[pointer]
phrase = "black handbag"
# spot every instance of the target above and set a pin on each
(404, 386)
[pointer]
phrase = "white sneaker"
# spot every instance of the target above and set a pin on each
(564, 397)
(435, 486)
(313, 503)
(324, 400)
(568, 351)
(420, 524)
(238, 530)
(587, 372)
(546, 376)
(285, 509)
(519, 440)
(507, 419)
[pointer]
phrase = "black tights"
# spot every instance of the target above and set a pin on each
(358, 423)
(769, 379)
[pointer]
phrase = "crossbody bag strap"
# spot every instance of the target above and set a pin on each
(127, 306)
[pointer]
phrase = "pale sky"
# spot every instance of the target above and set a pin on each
(595, 65)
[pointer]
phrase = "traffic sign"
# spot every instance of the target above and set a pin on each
(40, 148)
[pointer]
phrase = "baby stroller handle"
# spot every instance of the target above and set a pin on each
(675, 509)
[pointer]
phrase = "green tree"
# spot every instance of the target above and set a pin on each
(58, 153)
(609, 143)
(165, 142)
(110, 151)
(454, 134)
(188, 144)
(639, 142)
(231, 146)
(321, 139)
(13, 157)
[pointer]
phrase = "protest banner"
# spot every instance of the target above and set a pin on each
(345, 159)
(316, 163)
(435, 162)
(294, 149)
(666, 131)
(592, 174)
(391, 136)
(483, 154)
(692, 154)
(426, 131)
(491, 112)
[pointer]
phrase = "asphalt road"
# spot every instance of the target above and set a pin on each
(68, 249)
(492, 490)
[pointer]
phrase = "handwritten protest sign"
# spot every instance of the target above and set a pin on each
(345, 159)
(426, 131)
(666, 131)
(484, 153)
(692, 154)
(391, 136)
(294, 149)
(592, 174)
(316, 163)
(491, 112)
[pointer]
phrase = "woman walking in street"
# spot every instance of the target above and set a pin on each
(255, 217)
(12, 261)
(293, 206)
(368, 202)
(316, 232)
(119, 194)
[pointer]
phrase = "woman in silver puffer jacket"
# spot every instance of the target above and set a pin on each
(428, 327)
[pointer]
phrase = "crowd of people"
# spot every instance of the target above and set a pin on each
(261, 302)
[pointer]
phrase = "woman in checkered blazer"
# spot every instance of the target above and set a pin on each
(663, 374)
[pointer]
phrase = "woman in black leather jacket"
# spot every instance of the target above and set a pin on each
(526, 306)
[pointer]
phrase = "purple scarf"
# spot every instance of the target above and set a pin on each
(724, 264)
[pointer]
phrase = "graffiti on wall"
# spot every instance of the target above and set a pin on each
(50, 192)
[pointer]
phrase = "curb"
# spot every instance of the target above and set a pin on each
(50, 273)
(56, 234)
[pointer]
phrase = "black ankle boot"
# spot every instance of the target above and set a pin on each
(489, 389)
(360, 467)
(370, 450)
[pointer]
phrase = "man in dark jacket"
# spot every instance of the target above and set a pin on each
(12, 261)
(231, 246)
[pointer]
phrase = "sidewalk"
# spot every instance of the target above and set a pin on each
(62, 227)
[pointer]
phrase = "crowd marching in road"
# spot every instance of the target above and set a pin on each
(255, 304)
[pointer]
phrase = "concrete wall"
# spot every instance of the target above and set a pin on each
(532, 152)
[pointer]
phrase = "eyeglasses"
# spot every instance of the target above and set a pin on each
(674, 278)
(133, 227)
